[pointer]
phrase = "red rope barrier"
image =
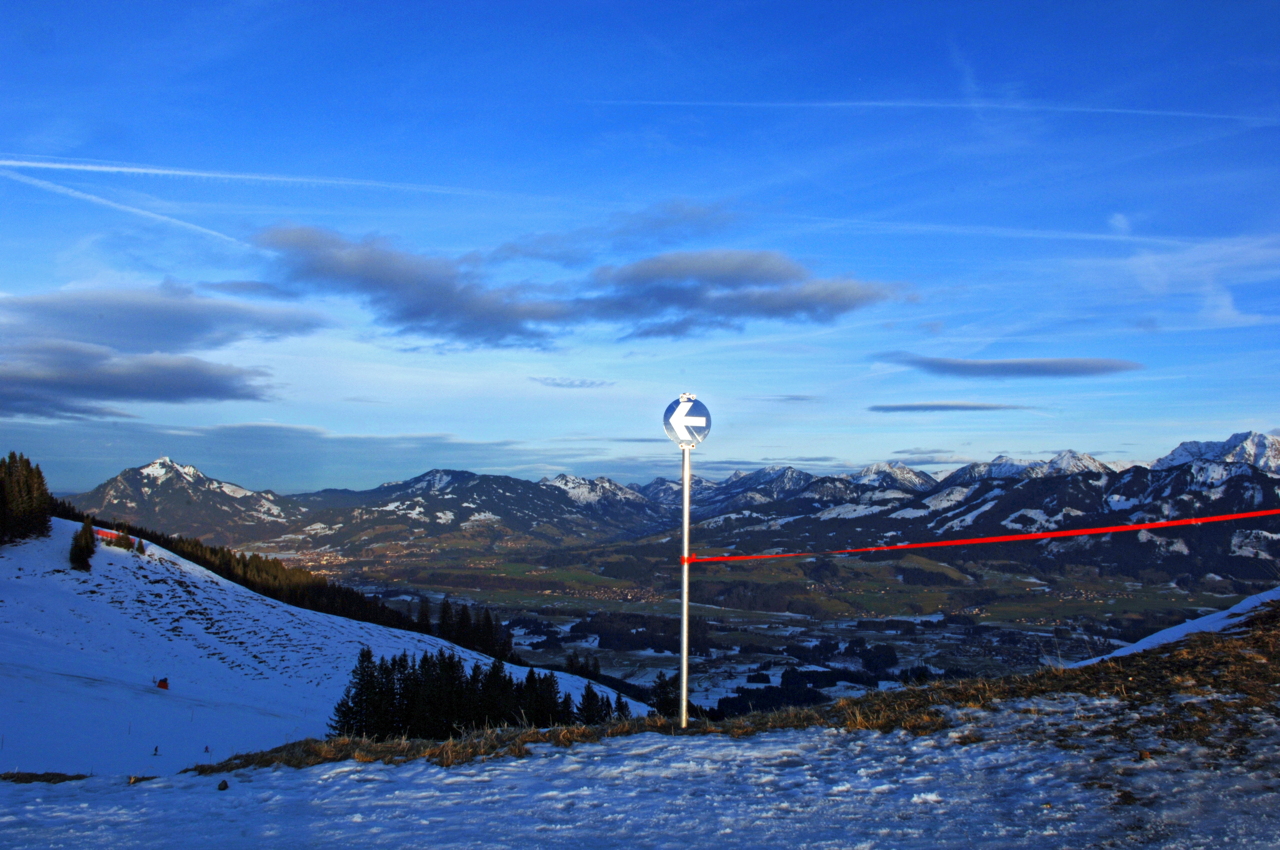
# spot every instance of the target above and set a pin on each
(1004, 538)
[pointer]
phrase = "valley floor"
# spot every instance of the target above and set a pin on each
(993, 780)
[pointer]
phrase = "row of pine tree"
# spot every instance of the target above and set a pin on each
(436, 697)
(24, 499)
(470, 627)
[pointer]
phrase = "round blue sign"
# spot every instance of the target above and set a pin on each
(687, 420)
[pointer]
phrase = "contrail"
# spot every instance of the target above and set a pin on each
(94, 199)
(944, 104)
(870, 226)
(156, 171)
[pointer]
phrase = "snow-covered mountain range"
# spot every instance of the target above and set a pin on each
(82, 653)
(1006, 497)
(767, 508)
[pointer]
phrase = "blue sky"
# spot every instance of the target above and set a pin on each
(318, 244)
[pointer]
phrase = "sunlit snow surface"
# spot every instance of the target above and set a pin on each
(812, 788)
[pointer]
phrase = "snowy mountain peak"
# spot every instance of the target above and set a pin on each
(433, 481)
(1001, 466)
(1251, 447)
(784, 477)
(1070, 462)
(666, 492)
(1067, 462)
(894, 475)
(591, 492)
(177, 499)
(163, 467)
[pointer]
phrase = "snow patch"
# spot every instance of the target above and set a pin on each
(1253, 543)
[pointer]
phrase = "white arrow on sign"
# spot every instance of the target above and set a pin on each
(681, 422)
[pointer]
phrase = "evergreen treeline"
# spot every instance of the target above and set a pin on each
(664, 697)
(630, 631)
(436, 697)
(470, 627)
(793, 690)
(589, 668)
(24, 499)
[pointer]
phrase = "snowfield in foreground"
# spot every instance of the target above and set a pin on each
(1050, 773)
(80, 654)
(993, 781)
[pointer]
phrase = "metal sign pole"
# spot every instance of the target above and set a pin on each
(686, 421)
(687, 478)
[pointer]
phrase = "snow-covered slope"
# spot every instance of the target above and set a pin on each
(80, 652)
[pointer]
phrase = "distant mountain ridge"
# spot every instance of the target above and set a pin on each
(1063, 463)
(1251, 447)
(449, 508)
(181, 500)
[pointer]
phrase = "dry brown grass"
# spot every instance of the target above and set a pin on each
(23, 778)
(1237, 672)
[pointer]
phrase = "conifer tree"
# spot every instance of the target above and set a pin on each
(531, 709)
(424, 615)
(83, 545)
(484, 634)
(463, 628)
(353, 714)
(565, 713)
(445, 628)
(666, 696)
(497, 695)
(502, 645)
(592, 709)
